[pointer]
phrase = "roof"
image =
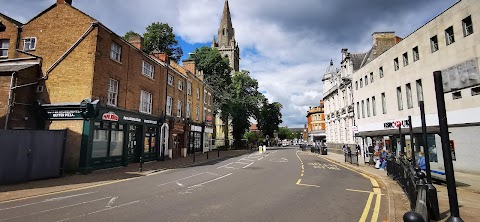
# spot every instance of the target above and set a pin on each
(15, 22)
(16, 66)
(357, 59)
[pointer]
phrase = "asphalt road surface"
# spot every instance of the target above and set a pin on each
(283, 184)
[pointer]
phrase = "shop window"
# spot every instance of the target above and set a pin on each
(150, 142)
(107, 139)
(467, 26)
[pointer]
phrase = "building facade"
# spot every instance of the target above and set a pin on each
(388, 88)
(118, 104)
(316, 123)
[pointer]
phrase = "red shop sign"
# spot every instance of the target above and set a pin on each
(110, 116)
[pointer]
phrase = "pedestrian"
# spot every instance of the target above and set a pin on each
(383, 159)
(421, 161)
(344, 148)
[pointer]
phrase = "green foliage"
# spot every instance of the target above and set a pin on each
(160, 36)
(285, 133)
(129, 34)
(216, 70)
(243, 103)
(269, 117)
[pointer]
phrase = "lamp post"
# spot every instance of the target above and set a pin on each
(447, 152)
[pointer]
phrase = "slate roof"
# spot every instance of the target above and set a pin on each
(357, 59)
(16, 66)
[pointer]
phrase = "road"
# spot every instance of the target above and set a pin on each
(283, 184)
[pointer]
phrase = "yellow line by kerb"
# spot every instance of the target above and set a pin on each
(367, 208)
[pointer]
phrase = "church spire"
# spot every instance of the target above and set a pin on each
(226, 33)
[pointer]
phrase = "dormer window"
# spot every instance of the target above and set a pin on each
(29, 43)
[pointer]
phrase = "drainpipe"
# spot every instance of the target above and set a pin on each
(10, 98)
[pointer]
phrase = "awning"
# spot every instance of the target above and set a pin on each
(405, 131)
(16, 66)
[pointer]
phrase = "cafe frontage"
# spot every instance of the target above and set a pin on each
(117, 137)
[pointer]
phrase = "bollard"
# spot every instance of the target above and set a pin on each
(264, 148)
(412, 216)
(218, 151)
(141, 164)
(260, 148)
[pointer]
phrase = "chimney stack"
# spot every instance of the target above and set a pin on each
(159, 56)
(136, 41)
(189, 64)
(59, 2)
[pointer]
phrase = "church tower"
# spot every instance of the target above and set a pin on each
(226, 43)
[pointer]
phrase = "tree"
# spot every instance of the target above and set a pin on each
(243, 104)
(285, 133)
(130, 34)
(160, 36)
(269, 117)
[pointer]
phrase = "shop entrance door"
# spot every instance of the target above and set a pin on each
(134, 145)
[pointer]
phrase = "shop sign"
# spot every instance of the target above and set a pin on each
(208, 120)
(396, 124)
(132, 119)
(110, 116)
(178, 127)
(65, 114)
(150, 121)
(208, 130)
(195, 128)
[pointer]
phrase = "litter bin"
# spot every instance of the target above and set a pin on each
(324, 150)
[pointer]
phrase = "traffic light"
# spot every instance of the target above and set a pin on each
(89, 109)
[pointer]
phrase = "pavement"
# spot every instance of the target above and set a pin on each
(282, 184)
(468, 191)
(107, 176)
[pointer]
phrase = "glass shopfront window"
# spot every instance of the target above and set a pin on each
(107, 139)
(150, 145)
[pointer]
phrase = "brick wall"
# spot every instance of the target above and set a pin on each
(11, 34)
(73, 142)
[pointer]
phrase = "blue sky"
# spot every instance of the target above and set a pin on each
(286, 45)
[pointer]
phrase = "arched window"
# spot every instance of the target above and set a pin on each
(224, 31)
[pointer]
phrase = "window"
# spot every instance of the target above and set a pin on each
(115, 52)
(419, 90)
(169, 105)
(189, 88)
(180, 85)
(356, 85)
(358, 110)
(209, 98)
(147, 69)
(361, 83)
(4, 45)
(416, 56)
(449, 36)
(405, 59)
(366, 81)
(457, 95)
(395, 64)
(170, 80)
(145, 102)
(204, 97)
(475, 91)
(198, 93)
(434, 43)
(189, 104)
(179, 108)
(29, 43)
(368, 107)
(371, 77)
(384, 103)
(197, 113)
(363, 109)
(374, 106)
(467, 26)
(107, 139)
(112, 93)
(409, 96)
(399, 98)
(380, 71)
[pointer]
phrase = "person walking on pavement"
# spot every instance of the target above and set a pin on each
(421, 161)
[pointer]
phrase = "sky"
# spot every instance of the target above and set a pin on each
(285, 44)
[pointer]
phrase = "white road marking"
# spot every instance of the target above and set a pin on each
(218, 178)
(247, 165)
(98, 211)
(281, 160)
(109, 204)
(181, 179)
(48, 200)
(226, 166)
(179, 184)
(246, 159)
(58, 208)
(212, 173)
(242, 163)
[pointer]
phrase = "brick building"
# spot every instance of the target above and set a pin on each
(316, 123)
(118, 104)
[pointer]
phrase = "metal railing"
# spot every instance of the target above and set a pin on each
(421, 195)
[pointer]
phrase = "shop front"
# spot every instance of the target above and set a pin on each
(195, 138)
(208, 139)
(117, 138)
(178, 145)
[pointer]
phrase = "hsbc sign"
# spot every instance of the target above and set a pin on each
(396, 124)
